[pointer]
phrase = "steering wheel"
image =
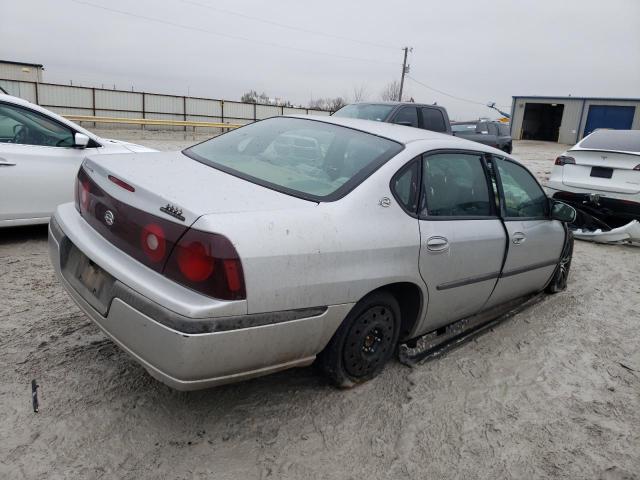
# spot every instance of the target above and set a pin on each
(20, 134)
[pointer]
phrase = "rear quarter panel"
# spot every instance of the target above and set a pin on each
(334, 253)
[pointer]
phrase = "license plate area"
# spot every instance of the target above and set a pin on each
(92, 282)
(601, 172)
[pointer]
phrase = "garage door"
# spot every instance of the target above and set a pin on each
(609, 116)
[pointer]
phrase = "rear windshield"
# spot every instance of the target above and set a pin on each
(306, 158)
(622, 140)
(365, 111)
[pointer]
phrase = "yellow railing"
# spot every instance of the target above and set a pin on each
(149, 121)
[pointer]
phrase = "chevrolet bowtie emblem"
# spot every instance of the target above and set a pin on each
(172, 210)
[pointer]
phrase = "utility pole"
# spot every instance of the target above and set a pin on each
(405, 70)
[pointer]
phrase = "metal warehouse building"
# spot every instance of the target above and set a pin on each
(568, 119)
(20, 71)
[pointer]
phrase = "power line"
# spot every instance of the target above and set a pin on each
(445, 93)
(290, 27)
(225, 35)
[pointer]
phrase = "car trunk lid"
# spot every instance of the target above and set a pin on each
(145, 203)
(603, 171)
(173, 178)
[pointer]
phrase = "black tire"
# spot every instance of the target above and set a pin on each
(508, 148)
(364, 343)
(559, 281)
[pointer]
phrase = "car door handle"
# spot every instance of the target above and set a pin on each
(518, 238)
(437, 244)
(6, 163)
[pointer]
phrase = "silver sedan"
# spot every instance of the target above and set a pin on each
(296, 239)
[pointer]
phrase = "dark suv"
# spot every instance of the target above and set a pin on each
(429, 117)
(494, 134)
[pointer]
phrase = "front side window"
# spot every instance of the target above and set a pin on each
(366, 111)
(433, 120)
(407, 116)
(306, 158)
(454, 185)
(26, 127)
(523, 197)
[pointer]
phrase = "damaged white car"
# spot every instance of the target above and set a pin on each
(600, 178)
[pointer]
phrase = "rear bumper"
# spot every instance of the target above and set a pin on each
(234, 347)
(613, 211)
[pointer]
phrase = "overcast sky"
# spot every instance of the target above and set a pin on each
(478, 50)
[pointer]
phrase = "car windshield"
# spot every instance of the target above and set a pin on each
(619, 140)
(305, 158)
(463, 127)
(365, 111)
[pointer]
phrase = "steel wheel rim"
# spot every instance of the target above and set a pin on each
(369, 341)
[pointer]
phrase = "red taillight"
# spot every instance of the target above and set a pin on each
(84, 195)
(565, 160)
(122, 184)
(153, 242)
(195, 261)
(207, 263)
(76, 194)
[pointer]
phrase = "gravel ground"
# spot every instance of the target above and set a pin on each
(554, 392)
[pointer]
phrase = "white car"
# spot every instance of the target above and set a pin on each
(601, 176)
(40, 153)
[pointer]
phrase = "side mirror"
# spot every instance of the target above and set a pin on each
(80, 140)
(484, 132)
(562, 212)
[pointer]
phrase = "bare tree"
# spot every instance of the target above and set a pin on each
(328, 103)
(249, 97)
(318, 104)
(360, 93)
(336, 103)
(391, 91)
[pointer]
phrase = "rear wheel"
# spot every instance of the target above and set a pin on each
(561, 276)
(508, 148)
(364, 343)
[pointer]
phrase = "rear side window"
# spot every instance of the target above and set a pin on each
(407, 116)
(523, 197)
(493, 129)
(405, 186)
(482, 127)
(454, 184)
(433, 120)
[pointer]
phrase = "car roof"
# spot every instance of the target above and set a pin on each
(396, 103)
(400, 133)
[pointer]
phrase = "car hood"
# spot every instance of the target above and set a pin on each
(132, 147)
(163, 178)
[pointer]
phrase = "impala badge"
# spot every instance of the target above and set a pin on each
(109, 217)
(384, 202)
(172, 210)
